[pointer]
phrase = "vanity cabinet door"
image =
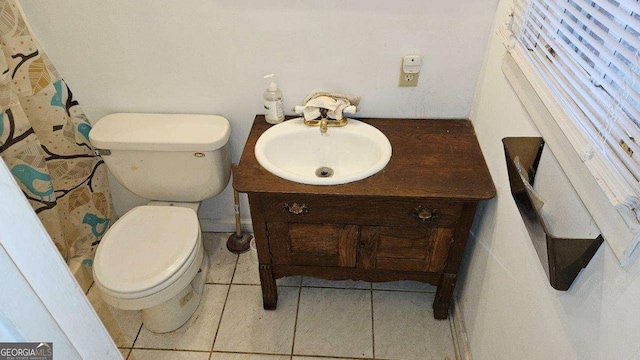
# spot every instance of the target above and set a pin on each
(313, 244)
(404, 248)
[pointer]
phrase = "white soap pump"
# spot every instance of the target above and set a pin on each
(273, 106)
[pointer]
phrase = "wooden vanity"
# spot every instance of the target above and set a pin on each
(409, 221)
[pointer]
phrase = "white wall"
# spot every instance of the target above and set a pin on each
(207, 56)
(510, 310)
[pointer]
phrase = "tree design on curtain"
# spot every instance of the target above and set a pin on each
(44, 141)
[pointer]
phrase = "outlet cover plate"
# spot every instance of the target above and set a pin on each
(408, 79)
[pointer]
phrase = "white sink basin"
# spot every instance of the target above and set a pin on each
(300, 153)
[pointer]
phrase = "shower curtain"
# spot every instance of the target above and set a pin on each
(44, 141)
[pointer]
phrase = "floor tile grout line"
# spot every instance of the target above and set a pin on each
(89, 288)
(403, 290)
(224, 305)
(335, 357)
(251, 353)
(335, 287)
(295, 324)
(133, 344)
(330, 287)
(246, 353)
(373, 334)
(172, 350)
(254, 353)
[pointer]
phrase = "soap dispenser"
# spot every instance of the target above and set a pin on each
(273, 106)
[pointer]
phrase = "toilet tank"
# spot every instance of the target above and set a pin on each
(168, 157)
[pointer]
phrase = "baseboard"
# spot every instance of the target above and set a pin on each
(460, 339)
(225, 225)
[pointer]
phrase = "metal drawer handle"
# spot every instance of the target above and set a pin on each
(425, 214)
(296, 208)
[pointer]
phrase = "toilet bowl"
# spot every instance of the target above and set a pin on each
(152, 259)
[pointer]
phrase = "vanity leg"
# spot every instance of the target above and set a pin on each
(269, 288)
(443, 296)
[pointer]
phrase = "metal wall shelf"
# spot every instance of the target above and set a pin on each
(562, 258)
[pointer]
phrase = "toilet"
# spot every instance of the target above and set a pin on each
(152, 259)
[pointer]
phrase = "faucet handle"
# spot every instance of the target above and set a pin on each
(351, 109)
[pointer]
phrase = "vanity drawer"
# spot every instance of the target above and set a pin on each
(360, 210)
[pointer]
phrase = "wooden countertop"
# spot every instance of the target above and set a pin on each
(431, 159)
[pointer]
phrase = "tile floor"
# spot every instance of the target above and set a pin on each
(315, 319)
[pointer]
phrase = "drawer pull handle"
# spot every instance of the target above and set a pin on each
(425, 214)
(296, 208)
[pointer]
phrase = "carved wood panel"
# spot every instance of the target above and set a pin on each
(404, 248)
(313, 244)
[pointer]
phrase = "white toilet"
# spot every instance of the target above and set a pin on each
(152, 259)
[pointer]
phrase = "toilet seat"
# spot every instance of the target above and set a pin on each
(146, 251)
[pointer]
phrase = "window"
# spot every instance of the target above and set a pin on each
(587, 54)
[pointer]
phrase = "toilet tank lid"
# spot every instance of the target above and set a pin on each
(160, 132)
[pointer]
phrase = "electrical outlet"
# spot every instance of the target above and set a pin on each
(408, 79)
(410, 70)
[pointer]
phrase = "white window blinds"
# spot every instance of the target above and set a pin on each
(588, 54)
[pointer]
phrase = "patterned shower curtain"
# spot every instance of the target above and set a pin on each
(44, 141)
